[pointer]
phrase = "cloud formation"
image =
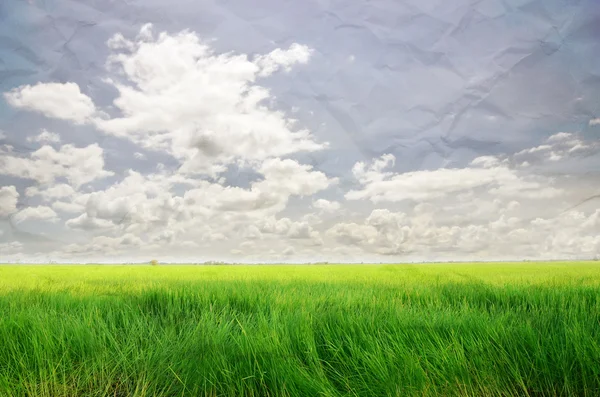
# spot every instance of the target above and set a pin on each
(61, 101)
(489, 173)
(41, 213)
(45, 165)
(8, 200)
(185, 148)
(45, 137)
(206, 109)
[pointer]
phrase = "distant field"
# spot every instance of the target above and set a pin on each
(505, 329)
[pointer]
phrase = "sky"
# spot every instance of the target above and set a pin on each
(314, 131)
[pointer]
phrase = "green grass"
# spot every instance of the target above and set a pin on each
(530, 329)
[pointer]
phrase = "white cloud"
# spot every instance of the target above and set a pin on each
(383, 232)
(561, 136)
(302, 230)
(275, 226)
(557, 147)
(284, 59)
(204, 108)
(45, 165)
(487, 162)
(85, 222)
(119, 42)
(288, 177)
(62, 101)
(247, 246)
(253, 233)
(380, 186)
(285, 229)
(184, 98)
(14, 247)
(146, 33)
(289, 251)
(136, 199)
(594, 122)
(45, 136)
(209, 111)
(8, 200)
(282, 179)
(326, 205)
(209, 213)
(570, 235)
(502, 175)
(40, 213)
(106, 244)
(68, 207)
(59, 191)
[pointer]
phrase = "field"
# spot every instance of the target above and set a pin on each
(504, 329)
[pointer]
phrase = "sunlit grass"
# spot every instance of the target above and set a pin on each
(505, 329)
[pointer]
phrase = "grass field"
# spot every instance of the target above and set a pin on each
(529, 329)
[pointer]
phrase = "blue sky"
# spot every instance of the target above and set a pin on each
(285, 131)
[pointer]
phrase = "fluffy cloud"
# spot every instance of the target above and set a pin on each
(205, 214)
(383, 232)
(45, 165)
(69, 207)
(288, 177)
(289, 251)
(59, 191)
(61, 101)
(86, 222)
(204, 108)
(326, 205)
(11, 248)
(284, 59)
(207, 113)
(557, 147)
(269, 195)
(146, 203)
(286, 227)
(489, 173)
(176, 94)
(40, 213)
(501, 175)
(105, 244)
(301, 230)
(137, 199)
(571, 234)
(274, 226)
(45, 136)
(8, 200)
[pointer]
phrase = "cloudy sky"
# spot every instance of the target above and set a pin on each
(285, 131)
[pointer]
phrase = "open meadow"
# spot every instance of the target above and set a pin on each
(504, 329)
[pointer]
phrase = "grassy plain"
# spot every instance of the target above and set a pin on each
(503, 329)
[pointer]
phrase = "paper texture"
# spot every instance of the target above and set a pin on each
(280, 131)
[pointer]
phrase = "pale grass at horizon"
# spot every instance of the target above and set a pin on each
(137, 277)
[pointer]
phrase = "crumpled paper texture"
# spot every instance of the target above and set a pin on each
(281, 131)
